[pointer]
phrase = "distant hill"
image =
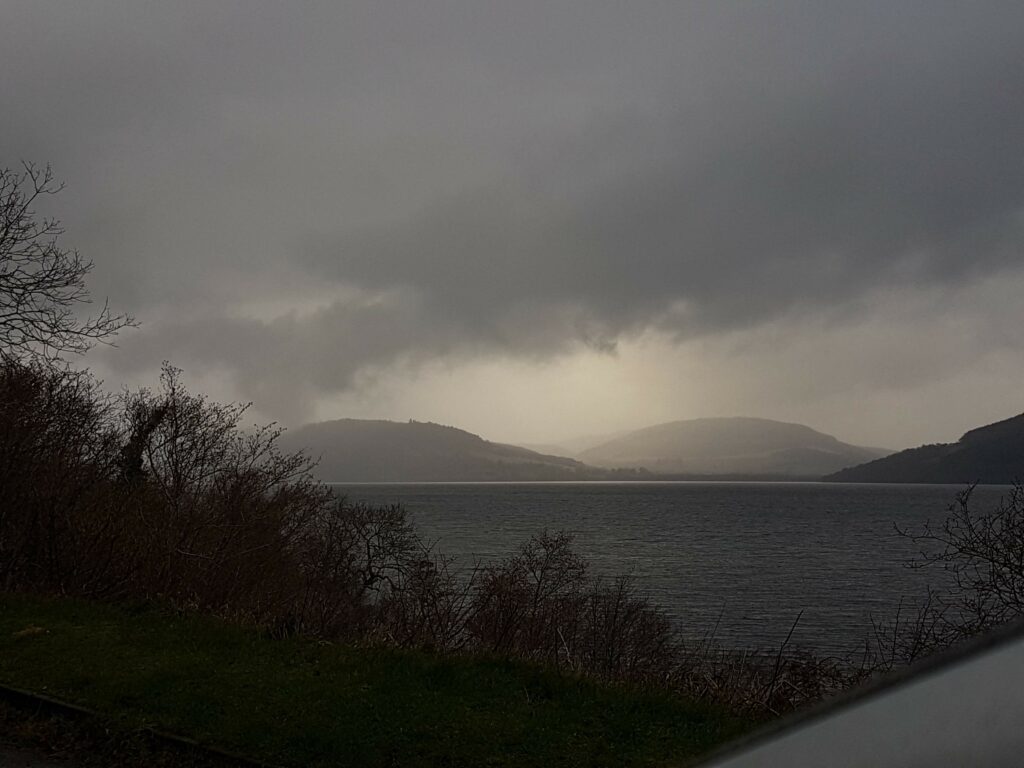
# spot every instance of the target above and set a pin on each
(730, 446)
(992, 454)
(354, 450)
(573, 447)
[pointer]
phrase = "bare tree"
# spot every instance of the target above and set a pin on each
(41, 283)
(984, 552)
(981, 557)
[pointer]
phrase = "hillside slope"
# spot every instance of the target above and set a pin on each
(355, 450)
(991, 454)
(730, 446)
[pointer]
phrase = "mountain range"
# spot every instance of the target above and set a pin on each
(736, 446)
(354, 450)
(990, 454)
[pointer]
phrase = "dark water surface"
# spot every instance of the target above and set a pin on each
(752, 554)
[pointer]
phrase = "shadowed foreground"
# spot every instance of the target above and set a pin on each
(11, 757)
(299, 702)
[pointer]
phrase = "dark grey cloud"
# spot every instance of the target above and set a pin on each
(342, 187)
(911, 172)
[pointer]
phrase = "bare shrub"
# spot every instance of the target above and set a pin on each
(923, 629)
(356, 560)
(432, 606)
(220, 510)
(982, 554)
(623, 636)
(525, 603)
(62, 523)
(541, 603)
(985, 555)
(760, 683)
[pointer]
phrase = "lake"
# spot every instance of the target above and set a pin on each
(745, 557)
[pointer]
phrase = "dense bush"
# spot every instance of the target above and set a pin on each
(222, 515)
(542, 603)
(163, 495)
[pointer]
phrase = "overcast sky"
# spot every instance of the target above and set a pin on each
(537, 220)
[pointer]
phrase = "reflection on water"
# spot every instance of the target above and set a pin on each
(754, 554)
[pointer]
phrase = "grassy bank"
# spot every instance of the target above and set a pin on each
(298, 702)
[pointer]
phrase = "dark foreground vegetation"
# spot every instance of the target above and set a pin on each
(300, 702)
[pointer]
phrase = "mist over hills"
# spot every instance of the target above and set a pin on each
(355, 450)
(574, 446)
(993, 454)
(730, 446)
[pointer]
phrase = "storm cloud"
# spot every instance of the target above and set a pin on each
(307, 197)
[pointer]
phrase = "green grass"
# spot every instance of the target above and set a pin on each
(302, 703)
